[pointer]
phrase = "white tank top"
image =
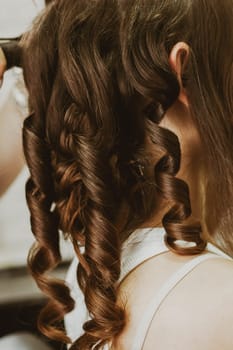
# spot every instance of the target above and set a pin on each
(140, 246)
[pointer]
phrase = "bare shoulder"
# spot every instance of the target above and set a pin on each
(198, 313)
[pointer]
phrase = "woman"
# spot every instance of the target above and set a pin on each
(129, 145)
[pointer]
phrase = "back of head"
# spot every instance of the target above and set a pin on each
(100, 82)
(206, 26)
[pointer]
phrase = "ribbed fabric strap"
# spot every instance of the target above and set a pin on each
(105, 347)
(145, 323)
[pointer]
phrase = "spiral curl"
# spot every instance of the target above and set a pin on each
(102, 86)
(152, 77)
(45, 253)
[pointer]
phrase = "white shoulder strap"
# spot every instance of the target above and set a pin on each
(154, 304)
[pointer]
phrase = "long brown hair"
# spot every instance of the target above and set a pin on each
(99, 82)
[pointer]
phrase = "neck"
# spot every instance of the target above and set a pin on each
(179, 121)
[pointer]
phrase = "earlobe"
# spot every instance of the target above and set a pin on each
(183, 98)
(178, 58)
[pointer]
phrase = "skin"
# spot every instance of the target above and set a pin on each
(2, 64)
(197, 314)
(200, 302)
(178, 120)
(11, 155)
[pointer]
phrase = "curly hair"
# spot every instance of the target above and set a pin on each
(99, 84)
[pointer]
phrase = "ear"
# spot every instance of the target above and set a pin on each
(178, 58)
